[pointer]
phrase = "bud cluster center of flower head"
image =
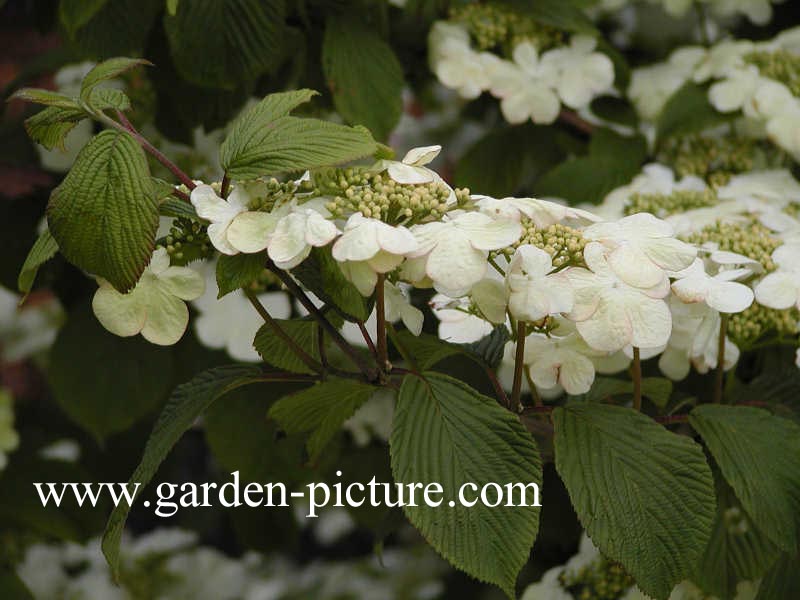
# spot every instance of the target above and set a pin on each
(563, 243)
(780, 65)
(492, 25)
(664, 205)
(749, 238)
(187, 241)
(600, 580)
(268, 193)
(378, 196)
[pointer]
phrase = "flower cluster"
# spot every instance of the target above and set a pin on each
(9, 438)
(533, 74)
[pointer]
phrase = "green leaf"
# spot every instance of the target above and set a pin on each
(320, 274)
(506, 159)
(238, 271)
(782, 581)
(172, 7)
(188, 402)
(275, 351)
(644, 495)
(561, 14)
(106, 70)
(689, 111)
(490, 348)
(657, 389)
(106, 383)
(445, 432)
(74, 14)
(46, 97)
(427, 349)
(12, 586)
(109, 98)
(759, 456)
(363, 74)
(737, 551)
(320, 409)
(44, 248)
(627, 149)
(49, 127)
(220, 44)
(104, 215)
(173, 207)
(258, 146)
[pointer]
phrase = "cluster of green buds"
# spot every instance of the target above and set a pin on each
(756, 322)
(780, 65)
(748, 238)
(717, 159)
(601, 580)
(664, 205)
(564, 244)
(379, 196)
(497, 25)
(187, 241)
(266, 194)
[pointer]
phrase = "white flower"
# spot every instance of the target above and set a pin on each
(722, 60)
(721, 292)
(773, 187)
(454, 250)
(524, 86)
(412, 169)
(398, 308)
(220, 212)
(370, 246)
(641, 248)
(543, 213)
(610, 314)
(561, 361)
(28, 329)
(734, 92)
(652, 86)
(581, 72)
(781, 288)
(456, 324)
(455, 63)
(155, 307)
(534, 291)
(9, 439)
(231, 322)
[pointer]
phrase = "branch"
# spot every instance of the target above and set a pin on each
(719, 381)
(307, 359)
(571, 118)
(636, 375)
(380, 310)
(519, 359)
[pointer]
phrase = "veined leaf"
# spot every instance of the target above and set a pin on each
(173, 207)
(49, 127)
(43, 249)
(188, 402)
(688, 111)
(238, 270)
(447, 433)
(46, 97)
(75, 14)
(103, 215)
(220, 44)
(644, 494)
(363, 74)
(320, 409)
(108, 69)
(759, 456)
(275, 351)
(782, 581)
(109, 98)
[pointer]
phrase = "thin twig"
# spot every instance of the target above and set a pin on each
(572, 118)
(719, 380)
(225, 187)
(181, 195)
(367, 339)
(380, 313)
(323, 357)
(307, 359)
(537, 399)
(148, 147)
(288, 377)
(369, 372)
(636, 375)
(519, 359)
(407, 356)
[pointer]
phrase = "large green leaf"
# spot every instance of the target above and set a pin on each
(561, 14)
(688, 111)
(759, 455)
(44, 248)
(238, 270)
(782, 581)
(111, 28)
(445, 432)
(46, 97)
(219, 43)
(644, 495)
(109, 69)
(320, 409)
(104, 215)
(106, 383)
(363, 74)
(277, 353)
(49, 127)
(188, 402)
(75, 14)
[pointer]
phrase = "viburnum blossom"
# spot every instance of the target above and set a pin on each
(641, 248)
(368, 247)
(456, 323)
(220, 212)
(534, 290)
(610, 314)
(455, 63)
(156, 307)
(721, 291)
(453, 251)
(398, 308)
(543, 213)
(781, 288)
(581, 73)
(560, 360)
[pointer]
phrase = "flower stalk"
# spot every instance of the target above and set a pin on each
(380, 309)
(519, 364)
(636, 375)
(719, 379)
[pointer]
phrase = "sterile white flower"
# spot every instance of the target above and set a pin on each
(721, 291)
(230, 322)
(534, 290)
(412, 169)
(454, 250)
(456, 324)
(554, 360)
(609, 314)
(454, 62)
(398, 308)
(641, 248)
(28, 329)
(9, 439)
(781, 288)
(653, 85)
(155, 307)
(736, 91)
(368, 247)
(581, 73)
(543, 213)
(220, 212)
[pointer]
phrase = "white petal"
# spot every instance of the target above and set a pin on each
(212, 207)
(778, 290)
(650, 320)
(729, 297)
(397, 240)
(530, 260)
(218, 234)
(409, 175)
(674, 364)
(182, 282)
(577, 372)
(289, 238)
(121, 314)
(608, 329)
(489, 234)
(693, 288)
(544, 373)
(383, 262)
(631, 265)
(669, 253)
(361, 275)
(412, 318)
(450, 251)
(249, 232)
(490, 297)
(319, 231)
(421, 156)
(167, 318)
